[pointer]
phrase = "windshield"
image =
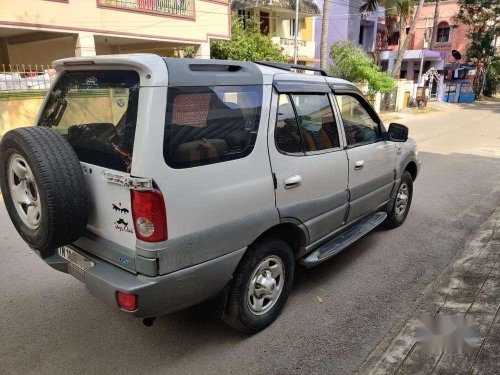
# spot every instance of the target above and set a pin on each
(96, 111)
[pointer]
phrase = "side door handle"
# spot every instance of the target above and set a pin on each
(293, 181)
(358, 164)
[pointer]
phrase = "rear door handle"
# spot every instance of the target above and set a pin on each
(292, 181)
(359, 164)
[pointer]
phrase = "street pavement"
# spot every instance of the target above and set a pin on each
(341, 317)
(466, 298)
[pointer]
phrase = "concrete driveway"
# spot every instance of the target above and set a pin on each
(337, 313)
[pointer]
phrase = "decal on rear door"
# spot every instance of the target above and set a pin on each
(121, 224)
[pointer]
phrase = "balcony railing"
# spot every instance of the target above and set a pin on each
(291, 42)
(25, 77)
(183, 8)
(306, 48)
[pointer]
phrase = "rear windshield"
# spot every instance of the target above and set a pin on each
(96, 111)
(207, 125)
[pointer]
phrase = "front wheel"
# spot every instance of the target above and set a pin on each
(401, 203)
(261, 285)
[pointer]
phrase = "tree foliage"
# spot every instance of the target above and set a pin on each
(396, 69)
(481, 17)
(188, 52)
(247, 44)
(397, 14)
(493, 77)
(351, 63)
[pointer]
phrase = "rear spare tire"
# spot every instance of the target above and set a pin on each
(43, 186)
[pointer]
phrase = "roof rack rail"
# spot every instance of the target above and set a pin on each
(289, 67)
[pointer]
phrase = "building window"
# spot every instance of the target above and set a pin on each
(443, 33)
(292, 27)
(244, 16)
(361, 34)
(393, 39)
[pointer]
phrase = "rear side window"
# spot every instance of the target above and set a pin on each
(96, 111)
(207, 125)
(305, 123)
(316, 121)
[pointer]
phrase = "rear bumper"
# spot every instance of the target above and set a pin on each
(156, 295)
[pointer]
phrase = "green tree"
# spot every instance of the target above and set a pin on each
(435, 25)
(188, 52)
(247, 44)
(351, 63)
(398, 11)
(493, 77)
(482, 18)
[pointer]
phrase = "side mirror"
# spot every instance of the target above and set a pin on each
(397, 132)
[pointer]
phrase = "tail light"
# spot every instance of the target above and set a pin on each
(150, 216)
(127, 301)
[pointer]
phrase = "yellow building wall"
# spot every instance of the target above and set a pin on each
(211, 18)
(307, 30)
(15, 113)
(18, 111)
(42, 51)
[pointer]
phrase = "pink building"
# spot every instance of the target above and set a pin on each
(451, 36)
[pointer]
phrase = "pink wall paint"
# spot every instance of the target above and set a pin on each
(458, 39)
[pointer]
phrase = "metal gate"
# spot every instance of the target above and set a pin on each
(388, 102)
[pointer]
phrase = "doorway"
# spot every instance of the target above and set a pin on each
(264, 23)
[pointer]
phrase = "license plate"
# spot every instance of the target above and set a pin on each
(77, 263)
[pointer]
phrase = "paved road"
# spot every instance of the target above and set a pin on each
(49, 323)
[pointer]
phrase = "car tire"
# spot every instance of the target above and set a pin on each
(401, 202)
(261, 285)
(44, 188)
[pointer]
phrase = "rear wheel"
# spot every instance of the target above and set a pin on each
(261, 285)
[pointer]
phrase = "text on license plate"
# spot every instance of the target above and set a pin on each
(77, 263)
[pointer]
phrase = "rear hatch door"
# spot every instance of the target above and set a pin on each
(96, 111)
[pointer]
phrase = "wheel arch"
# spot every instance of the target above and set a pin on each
(292, 232)
(411, 167)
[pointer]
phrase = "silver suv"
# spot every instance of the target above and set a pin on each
(161, 183)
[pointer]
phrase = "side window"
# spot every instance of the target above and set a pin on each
(359, 127)
(287, 131)
(207, 125)
(316, 121)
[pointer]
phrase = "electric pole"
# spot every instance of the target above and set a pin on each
(423, 52)
(295, 45)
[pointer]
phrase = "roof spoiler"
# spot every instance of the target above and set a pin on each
(289, 67)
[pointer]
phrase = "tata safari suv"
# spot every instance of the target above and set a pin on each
(161, 183)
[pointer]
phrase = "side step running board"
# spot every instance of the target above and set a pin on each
(339, 243)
